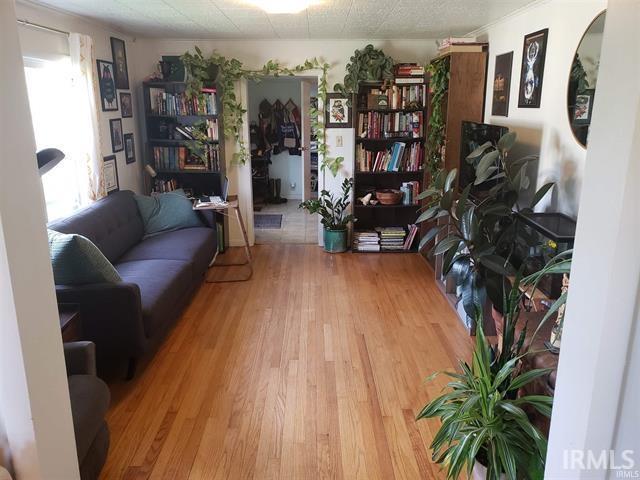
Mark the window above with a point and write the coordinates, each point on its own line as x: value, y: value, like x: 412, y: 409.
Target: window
x: 54, y: 115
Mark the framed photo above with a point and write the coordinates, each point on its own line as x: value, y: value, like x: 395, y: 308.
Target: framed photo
x: 108, y: 99
x: 129, y: 148
x: 110, y: 170
x: 532, y: 70
x: 120, y: 63
x: 126, y: 107
x: 117, y: 142
x: 584, y: 107
x: 501, y: 85
x: 337, y: 111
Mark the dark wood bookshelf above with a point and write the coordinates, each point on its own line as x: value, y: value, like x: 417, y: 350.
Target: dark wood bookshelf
x: 371, y: 216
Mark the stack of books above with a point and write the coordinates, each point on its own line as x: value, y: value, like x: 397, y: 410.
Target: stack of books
x: 409, y: 73
x: 366, y: 241
x: 459, y: 45
x: 392, y: 238
x: 409, y: 159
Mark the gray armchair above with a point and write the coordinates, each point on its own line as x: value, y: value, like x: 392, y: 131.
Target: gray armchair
x: 90, y: 399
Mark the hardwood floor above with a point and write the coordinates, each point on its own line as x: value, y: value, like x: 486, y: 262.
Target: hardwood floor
x: 313, y: 369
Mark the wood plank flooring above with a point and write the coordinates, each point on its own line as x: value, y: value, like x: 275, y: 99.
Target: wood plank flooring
x: 314, y: 369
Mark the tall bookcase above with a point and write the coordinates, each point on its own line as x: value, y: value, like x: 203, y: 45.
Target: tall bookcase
x: 372, y: 177
x: 163, y: 136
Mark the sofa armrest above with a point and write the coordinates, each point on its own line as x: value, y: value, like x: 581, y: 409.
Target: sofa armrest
x: 110, y: 316
x: 80, y: 358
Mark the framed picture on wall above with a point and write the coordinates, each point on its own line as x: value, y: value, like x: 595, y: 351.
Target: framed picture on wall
x: 534, y: 51
x: 126, y: 107
x: 110, y: 171
x: 584, y: 107
x: 501, y: 85
x: 117, y: 142
x: 337, y: 111
x: 129, y: 148
x: 120, y: 63
x: 108, y: 98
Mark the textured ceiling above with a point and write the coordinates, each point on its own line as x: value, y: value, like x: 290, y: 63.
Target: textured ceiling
x: 337, y: 19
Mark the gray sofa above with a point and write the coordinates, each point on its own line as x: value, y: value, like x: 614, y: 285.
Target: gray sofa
x: 159, y: 276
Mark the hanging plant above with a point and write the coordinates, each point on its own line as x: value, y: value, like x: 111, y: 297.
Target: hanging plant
x: 226, y: 72
x: 438, y: 85
x: 369, y: 64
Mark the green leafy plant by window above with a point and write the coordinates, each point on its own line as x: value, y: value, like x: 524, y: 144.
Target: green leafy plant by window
x: 226, y: 72
x: 368, y: 64
x: 438, y: 86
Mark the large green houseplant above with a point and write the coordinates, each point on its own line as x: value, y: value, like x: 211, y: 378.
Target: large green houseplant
x: 334, y: 216
x: 368, y: 64
x: 480, y: 239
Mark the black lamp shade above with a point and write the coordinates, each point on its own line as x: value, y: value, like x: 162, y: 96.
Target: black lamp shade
x: 48, y: 158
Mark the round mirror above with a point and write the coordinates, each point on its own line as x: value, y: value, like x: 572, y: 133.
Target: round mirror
x: 583, y: 79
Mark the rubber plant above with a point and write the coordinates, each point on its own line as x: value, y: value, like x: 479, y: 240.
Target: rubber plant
x: 368, y: 64
x: 438, y: 86
x: 228, y: 71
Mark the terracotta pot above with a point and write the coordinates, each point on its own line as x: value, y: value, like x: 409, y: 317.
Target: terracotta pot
x: 480, y: 472
x: 389, y: 196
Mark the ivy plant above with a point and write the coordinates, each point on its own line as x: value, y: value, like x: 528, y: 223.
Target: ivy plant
x: 368, y: 64
x: 227, y: 71
x: 438, y: 85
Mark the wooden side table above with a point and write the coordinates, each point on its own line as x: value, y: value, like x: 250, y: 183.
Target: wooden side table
x: 232, y: 205
x: 70, y: 326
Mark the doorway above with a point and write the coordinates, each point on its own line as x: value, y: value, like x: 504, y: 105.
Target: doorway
x: 284, y: 158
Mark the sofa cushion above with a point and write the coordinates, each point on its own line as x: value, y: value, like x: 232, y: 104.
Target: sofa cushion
x: 166, y: 212
x: 196, y: 245
x: 90, y: 399
x: 163, y: 285
x: 112, y: 223
x: 77, y: 261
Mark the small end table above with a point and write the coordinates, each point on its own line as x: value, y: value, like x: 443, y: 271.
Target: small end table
x: 231, y: 204
x: 69, y: 315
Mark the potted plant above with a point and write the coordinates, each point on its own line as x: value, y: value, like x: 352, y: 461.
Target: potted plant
x: 368, y: 64
x: 334, y: 216
x: 480, y: 239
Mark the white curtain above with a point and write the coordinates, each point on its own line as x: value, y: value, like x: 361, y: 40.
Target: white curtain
x: 86, y: 101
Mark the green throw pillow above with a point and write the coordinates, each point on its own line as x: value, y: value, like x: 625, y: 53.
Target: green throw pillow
x: 77, y: 261
x: 166, y: 212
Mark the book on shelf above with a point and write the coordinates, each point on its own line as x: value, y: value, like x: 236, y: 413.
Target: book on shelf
x: 378, y: 125
x: 188, y: 132
x: 366, y: 241
x: 410, y: 159
x: 180, y: 158
x: 163, y: 186
x: 408, y: 69
x: 162, y: 102
x: 475, y: 48
x: 410, y: 191
x: 405, y: 80
x: 400, y: 97
x: 385, y: 239
x: 447, y: 42
x: 411, y: 235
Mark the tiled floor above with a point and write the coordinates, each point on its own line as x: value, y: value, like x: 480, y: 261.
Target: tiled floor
x: 298, y: 226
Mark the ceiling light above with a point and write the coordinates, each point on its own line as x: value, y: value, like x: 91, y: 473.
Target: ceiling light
x: 284, y: 6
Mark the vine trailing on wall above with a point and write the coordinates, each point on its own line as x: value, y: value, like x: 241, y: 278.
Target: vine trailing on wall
x: 438, y: 85
x: 227, y: 71
x: 368, y: 64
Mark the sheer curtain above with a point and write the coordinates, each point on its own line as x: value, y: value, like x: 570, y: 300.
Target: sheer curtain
x: 86, y: 105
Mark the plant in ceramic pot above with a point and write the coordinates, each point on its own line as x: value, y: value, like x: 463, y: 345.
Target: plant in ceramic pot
x: 478, y: 242
x: 334, y: 216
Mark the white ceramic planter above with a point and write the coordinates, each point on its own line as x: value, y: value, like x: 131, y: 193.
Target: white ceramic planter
x: 4, y: 475
x: 480, y: 472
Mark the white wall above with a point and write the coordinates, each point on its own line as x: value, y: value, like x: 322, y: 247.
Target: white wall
x: 43, y: 44
x: 546, y: 130
x: 34, y: 395
x: 286, y: 167
x: 597, y: 390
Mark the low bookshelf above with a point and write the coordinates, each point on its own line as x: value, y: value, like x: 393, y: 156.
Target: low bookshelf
x: 390, y: 122
x: 172, y: 122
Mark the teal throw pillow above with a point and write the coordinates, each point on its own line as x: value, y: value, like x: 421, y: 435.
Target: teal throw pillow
x: 166, y: 212
x: 77, y: 261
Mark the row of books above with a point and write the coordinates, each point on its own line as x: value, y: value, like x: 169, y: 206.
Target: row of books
x: 163, y: 186
x: 409, y: 70
x: 398, y: 158
x: 383, y: 239
x: 189, y: 132
x: 162, y: 102
x: 401, y: 97
x: 180, y: 158
x: 390, y: 125
x: 410, y: 191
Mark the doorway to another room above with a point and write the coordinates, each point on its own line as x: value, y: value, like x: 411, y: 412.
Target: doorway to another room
x: 284, y: 159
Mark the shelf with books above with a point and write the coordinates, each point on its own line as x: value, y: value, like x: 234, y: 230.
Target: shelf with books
x: 179, y: 141
x: 389, y: 119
